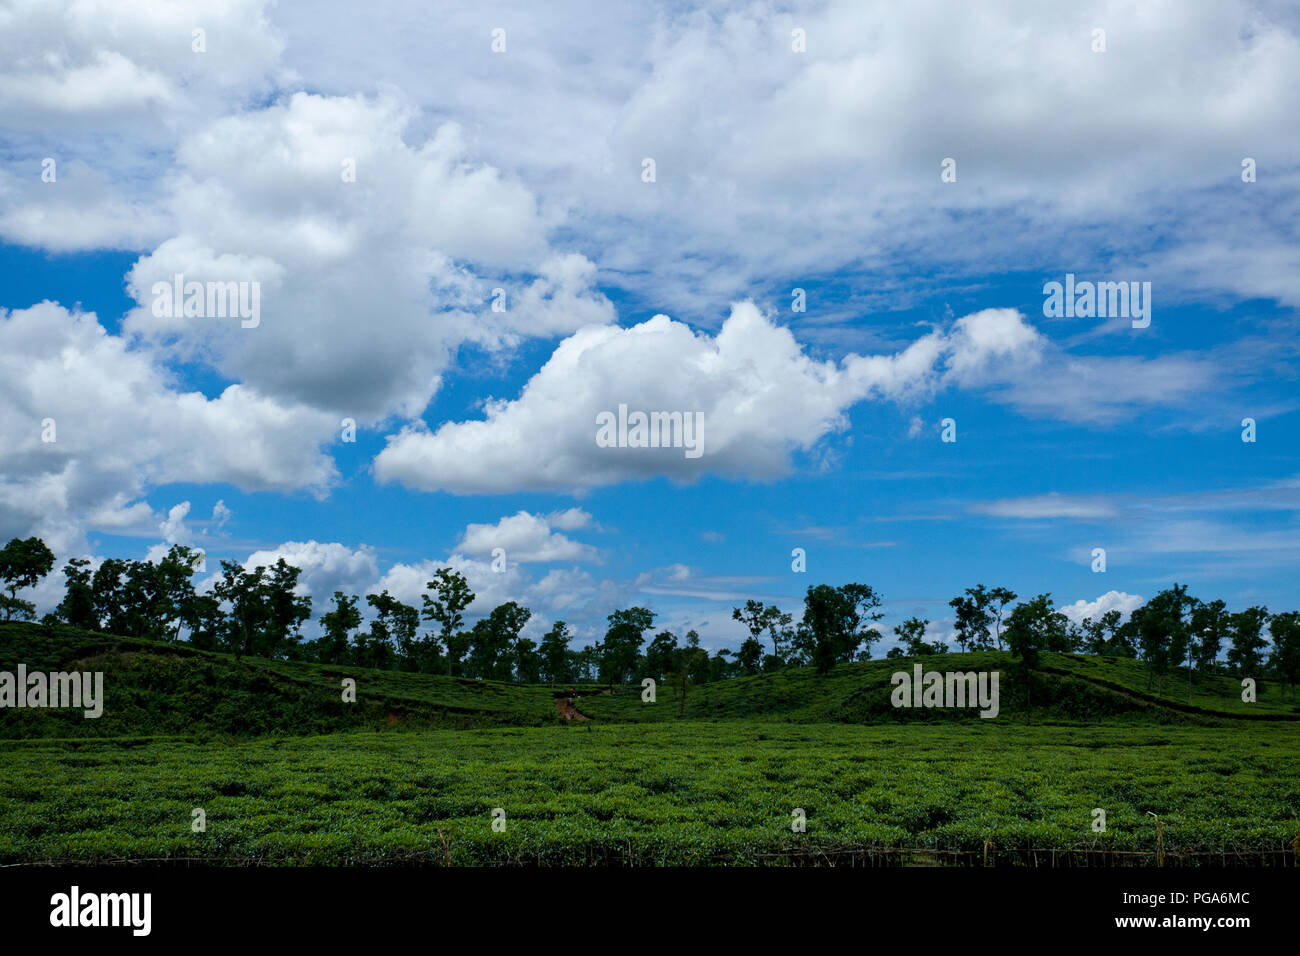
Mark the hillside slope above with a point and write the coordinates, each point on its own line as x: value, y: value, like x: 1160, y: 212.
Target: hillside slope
x: 1067, y: 688
x: 161, y: 689
x: 154, y: 689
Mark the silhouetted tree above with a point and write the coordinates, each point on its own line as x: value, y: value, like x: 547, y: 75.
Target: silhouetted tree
x: 837, y: 621
x: 1285, y: 660
x: 23, y: 563
x: 1162, y: 631
x: 1248, y: 643
x: 623, y: 640
x: 452, y: 595
x: 492, y: 642
x: 338, y: 624
x: 1032, y: 628
x: 912, y: 633
x: 77, y: 608
x: 557, y: 662
x: 972, y: 617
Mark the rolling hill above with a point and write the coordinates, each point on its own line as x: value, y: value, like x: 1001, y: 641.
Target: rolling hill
x: 154, y: 689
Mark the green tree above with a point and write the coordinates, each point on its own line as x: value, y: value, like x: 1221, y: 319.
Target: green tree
x: 338, y: 623
x: 999, y: 598
x: 1099, y: 636
x: 719, y: 667
x: 173, y: 583
x: 452, y: 595
x: 659, y: 654
x: 749, y: 659
x: 1248, y: 643
x: 1111, y: 626
x: 108, y: 594
x: 266, y: 611
x: 758, y: 618
x: 972, y: 617
x: 23, y: 563
x: 240, y: 590
x: 912, y: 633
x: 1285, y: 629
x: 492, y: 642
x: 528, y: 662
x: 78, y: 605
x: 557, y: 663
x: 1092, y: 636
x: 586, y: 662
x: 1211, y: 624
x: 286, y: 609
x: 1124, y: 641
x: 393, y: 630
x: 1033, y: 627
x: 205, y: 621
x: 1162, y: 631
x: 690, y: 666
x: 623, y: 640
x: 144, y: 607
x: 837, y: 621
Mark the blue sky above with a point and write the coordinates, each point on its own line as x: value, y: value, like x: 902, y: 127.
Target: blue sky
x: 776, y: 170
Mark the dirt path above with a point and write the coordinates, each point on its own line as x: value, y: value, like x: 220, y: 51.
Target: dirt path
x: 565, y: 706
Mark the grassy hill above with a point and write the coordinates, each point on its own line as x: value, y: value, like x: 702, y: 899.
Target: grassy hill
x: 1067, y: 688
x: 154, y: 689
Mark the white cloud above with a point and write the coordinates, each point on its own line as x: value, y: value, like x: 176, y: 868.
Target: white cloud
x: 526, y: 538
x: 570, y: 519
x: 747, y: 133
x: 762, y: 398
x: 1120, y: 601
x: 82, y: 209
x: 326, y: 567
x: 97, y: 59
x: 1051, y: 505
x: 121, y: 426
x: 174, y: 529
x: 106, y: 88
x: 365, y: 287
x: 562, y: 592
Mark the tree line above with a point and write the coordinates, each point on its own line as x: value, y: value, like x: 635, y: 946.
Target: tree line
x: 257, y: 612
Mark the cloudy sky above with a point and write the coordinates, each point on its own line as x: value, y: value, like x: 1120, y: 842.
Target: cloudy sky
x: 822, y: 230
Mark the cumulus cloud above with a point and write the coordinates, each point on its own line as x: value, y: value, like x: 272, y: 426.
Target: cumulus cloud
x: 174, y: 530
x: 760, y: 396
x: 326, y: 567
x: 527, y: 538
x: 1120, y: 601
x: 746, y: 133
x: 570, y: 592
x: 97, y: 59
x: 105, y: 88
x: 119, y: 425
x: 80, y: 209
x: 366, y: 285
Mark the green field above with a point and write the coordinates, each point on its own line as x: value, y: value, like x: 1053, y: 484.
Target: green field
x: 287, y: 774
